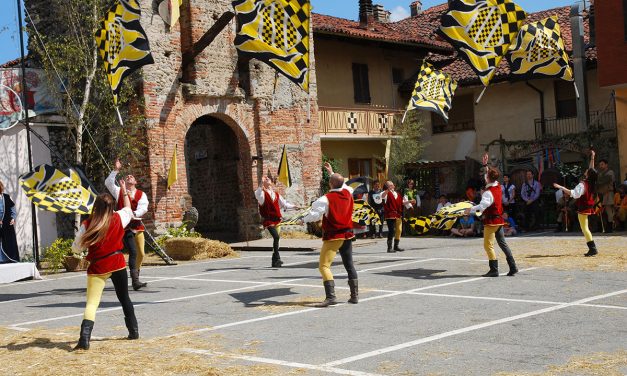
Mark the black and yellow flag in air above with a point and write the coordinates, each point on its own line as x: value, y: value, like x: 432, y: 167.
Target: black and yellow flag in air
x: 539, y: 52
x: 284, y: 175
x: 277, y: 33
x: 122, y: 43
x: 481, y: 31
x: 433, y: 92
x: 365, y: 214
x: 52, y: 190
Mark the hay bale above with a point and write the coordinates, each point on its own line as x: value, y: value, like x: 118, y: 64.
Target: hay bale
x: 197, y: 249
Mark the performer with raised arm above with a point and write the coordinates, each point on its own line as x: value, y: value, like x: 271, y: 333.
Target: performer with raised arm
x: 492, y: 207
x: 584, y: 193
x: 270, y: 205
x: 134, y: 234
x: 393, y: 203
x: 101, y: 234
x: 336, y: 211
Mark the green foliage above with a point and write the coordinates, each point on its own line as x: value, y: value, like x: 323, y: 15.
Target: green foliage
x: 177, y: 232
x: 335, y: 164
x: 407, y: 147
x: 55, y: 254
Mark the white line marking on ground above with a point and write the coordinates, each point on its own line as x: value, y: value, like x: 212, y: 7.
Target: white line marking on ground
x: 256, y: 359
x: 469, y: 329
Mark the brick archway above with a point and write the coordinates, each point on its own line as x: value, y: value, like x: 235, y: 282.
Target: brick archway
x: 214, y: 153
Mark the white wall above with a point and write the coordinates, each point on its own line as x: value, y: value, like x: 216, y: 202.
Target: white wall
x: 13, y: 163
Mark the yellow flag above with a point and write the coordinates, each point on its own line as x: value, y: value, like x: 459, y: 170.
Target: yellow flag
x: 173, y: 174
x: 175, y: 11
x: 284, y: 174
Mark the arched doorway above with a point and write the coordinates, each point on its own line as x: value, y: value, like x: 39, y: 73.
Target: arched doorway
x: 212, y: 154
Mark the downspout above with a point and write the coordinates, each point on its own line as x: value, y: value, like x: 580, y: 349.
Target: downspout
x: 542, y: 118
x: 579, y: 65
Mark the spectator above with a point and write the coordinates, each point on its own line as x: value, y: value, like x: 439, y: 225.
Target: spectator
x: 605, y: 188
x: 375, y: 200
x: 566, y: 212
x: 442, y: 202
x: 530, y: 193
x: 509, y: 194
x: 8, y: 239
x: 412, y: 208
x: 464, y: 227
x: 429, y: 203
x: 509, y: 228
x: 620, y: 202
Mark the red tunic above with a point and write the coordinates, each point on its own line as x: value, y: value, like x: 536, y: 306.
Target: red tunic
x: 585, y: 203
x: 493, y: 215
x: 270, y: 210
x: 393, y: 207
x: 112, y: 242
x: 338, y: 222
x: 134, y: 225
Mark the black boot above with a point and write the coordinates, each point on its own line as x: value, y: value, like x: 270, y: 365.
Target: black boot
x: 352, y: 283
x: 592, y: 249
x: 512, y: 266
x: 494, y: 269
x: 390, y: 249
x: 276, y: 260
x: 83, y: 342
x: 135, y: 280
x: 396, y: 248
x: 133, y: 329
x: 329, y: 290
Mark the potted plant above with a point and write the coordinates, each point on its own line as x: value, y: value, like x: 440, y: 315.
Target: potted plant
x: 59, y: 254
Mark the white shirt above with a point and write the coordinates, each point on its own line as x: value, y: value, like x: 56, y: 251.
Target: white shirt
x: 142, y: 204
x: 486, y: 199
x: 512, y: 194
x: 320, y: 207
x: 441, y: 205
x: 406, y: 202
x: 126, y: 215
x: 578, y: 191
x: 261, y: 198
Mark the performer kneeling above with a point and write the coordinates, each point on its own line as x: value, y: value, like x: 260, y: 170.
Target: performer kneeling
x: 336, y: 211
x: 134, y: 236
x: 270, y: 205
x: 492, y: 208
x: 101, y: 234
x: 584, y: 193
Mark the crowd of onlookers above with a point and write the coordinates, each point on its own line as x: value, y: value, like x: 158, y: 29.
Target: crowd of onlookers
x: 525, y: 207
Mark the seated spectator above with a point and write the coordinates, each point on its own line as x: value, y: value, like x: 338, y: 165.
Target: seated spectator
x: 566, y: 212
x: 442, y: 202
x: 465, y: 226
x: 510, y: 225
x: 620, y: 203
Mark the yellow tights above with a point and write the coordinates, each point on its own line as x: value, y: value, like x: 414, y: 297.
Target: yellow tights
x: 583, y: 223
x: 95, y: 286
x: 488, y: 240
x: 327, y: 254
x: 139, y: 242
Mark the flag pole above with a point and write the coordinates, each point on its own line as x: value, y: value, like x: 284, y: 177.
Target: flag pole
x: 404, y: 115
x: 117, y: 110
x: 276, y: 80
x: 576, y: 90
x: 481, y: 95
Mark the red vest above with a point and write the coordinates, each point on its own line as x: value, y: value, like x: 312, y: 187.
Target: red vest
x: 270, y: 210
x: 134, y: 225
x: 338, y: 223
x: 393, y: 207
x: 493, y: 215
x: 585, y: 203
x: 112, y: 242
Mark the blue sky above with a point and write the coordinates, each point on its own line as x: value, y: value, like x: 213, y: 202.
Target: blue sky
x: 9, y: 38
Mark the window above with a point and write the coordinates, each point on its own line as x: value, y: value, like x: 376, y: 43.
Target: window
x: 398, y: 75
x: 361, y: 84
x: 359, y: 167
x: 565, y: 99
x: 461, y: 117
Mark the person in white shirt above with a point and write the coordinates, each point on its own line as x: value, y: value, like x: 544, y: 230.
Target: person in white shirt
x: 270, y: 205
x: 134, y: 240
x: 509, y: 195
x: 442, y: 203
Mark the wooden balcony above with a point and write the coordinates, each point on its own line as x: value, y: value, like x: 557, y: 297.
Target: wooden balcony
x: 358, y: 122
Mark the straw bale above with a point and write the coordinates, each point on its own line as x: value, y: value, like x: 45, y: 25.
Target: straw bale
x: 197, y: 249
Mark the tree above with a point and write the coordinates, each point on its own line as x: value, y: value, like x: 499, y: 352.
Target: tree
x: 407, y: 146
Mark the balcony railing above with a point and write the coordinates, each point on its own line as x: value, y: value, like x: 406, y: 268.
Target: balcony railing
x: 556, y: 127
x: 366, y: 122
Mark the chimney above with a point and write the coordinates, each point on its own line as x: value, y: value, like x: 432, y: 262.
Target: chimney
x: 380, y: 14
x: 366, y: 14
x: 415, y: 8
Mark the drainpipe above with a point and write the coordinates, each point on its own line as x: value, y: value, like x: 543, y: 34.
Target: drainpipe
x: 579, y: 65
x: 542, y: 118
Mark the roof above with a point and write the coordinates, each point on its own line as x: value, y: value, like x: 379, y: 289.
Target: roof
x: 12, y: 63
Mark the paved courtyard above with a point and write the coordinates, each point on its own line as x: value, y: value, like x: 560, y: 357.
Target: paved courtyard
x: 425, y: 311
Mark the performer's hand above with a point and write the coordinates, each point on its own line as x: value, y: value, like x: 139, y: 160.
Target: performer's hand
x: 327, y: 166
x: 11, y: 223
x: 556, y: 186
x: 592, y: 154
x: 118, y: 165
x: 122, y: 185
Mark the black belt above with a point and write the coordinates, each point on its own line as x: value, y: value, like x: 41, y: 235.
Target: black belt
x: 104, y: 257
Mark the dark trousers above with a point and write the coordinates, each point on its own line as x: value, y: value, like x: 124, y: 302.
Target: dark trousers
x: 131, y: 246
x: 275, y: 243
x: 531, y: 215
x: 500, y: 240
x: 391, y: 228
x: 120, y: 282
x: 346, y: 252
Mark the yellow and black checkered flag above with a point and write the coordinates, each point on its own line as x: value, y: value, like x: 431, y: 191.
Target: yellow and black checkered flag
x: 481, y: 31
x: 539, y: 52
x: 296, y: 218
x: 277, y: 33
x: 122, y: 43
x: 365, y: 214
x: 433, y: 92
x: 52, y: 190
x: 421, y: 225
